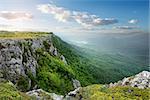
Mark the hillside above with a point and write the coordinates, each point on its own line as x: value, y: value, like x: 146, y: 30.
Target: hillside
x: 41, y: 63
x: 98, y: 67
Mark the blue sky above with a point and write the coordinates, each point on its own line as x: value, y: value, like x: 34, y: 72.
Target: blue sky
x: 75, y: 17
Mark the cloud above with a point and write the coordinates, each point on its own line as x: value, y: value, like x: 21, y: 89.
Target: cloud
x: 133, y: 21
x: 87, y: 19
x: 126, y: 27
x: 15, y: 15
x: 83, y: 18
x: 5, y: 25
x: 81, y: 42
x: 59, y: 13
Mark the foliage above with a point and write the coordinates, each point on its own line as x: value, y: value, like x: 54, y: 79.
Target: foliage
x: 101, y: 92
x: 97, y: 67
x: 9, y: 92
x: 32, y: 78
x: 78, y: 63
x: 52, y: 74
x: 22, y: 35
x: 46, y: 45
x: 23, y: 83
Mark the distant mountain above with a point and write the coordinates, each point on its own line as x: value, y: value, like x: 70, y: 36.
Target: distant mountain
x: 132, y: 45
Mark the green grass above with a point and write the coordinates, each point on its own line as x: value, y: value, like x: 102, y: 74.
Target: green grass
x: 100, y: 92
x: 9, y: 92
x: 21, y: 35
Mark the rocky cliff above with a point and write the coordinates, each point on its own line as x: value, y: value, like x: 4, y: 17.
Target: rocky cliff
x: 18, y: 58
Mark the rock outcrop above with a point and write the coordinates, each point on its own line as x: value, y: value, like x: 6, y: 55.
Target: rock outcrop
x: 18, y: 57
x: 40, y: 94
x: 63, y: 59
x: 76, y: 83
x: 141, y: 80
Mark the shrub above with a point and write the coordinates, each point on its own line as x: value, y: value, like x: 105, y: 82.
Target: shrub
x: 23, y: 83
x: 53, y: 75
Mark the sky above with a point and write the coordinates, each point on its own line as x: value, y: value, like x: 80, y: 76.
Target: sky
x: 75, y: 19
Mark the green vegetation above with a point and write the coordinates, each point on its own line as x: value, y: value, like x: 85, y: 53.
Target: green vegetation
x: 9, y: 92
x: 97, y: 67
x: 21, y: 35
x: 100, y: 92
x: 22, y: 83
x: 32, y: 78
x: 78, y: 63
x: 92, y: 92
x: 52, y: 74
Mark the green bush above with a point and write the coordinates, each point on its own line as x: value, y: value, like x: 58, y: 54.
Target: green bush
x: 52, y: 74
x: 32, y: 78
x: 46, y: 45
x: 23, y: 83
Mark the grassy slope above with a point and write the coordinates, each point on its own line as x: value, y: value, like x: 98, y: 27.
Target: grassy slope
x: 92, y: 92
x: 21, y: 35
x: 9, y: 92
x: 100, y: 92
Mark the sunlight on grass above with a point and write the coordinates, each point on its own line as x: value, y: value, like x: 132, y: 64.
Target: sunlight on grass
x: 22, y: 35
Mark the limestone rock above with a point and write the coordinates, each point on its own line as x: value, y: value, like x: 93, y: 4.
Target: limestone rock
x: 76, y: 83
x: 55, y: 53
x: 18, y: 56
x: 40, y: 94
x: 74, y: 95
x: 63, y: 59
x: 141, y: 80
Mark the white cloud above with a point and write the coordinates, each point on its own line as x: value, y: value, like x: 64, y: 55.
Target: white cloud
x: 15, y: 15
x: 83, y: 18
x: 59, y: 13
x: 87, y: 19
x: 133, y: 21
x: 126, y: 27
x: 5, y: 25
x: 81, y: 42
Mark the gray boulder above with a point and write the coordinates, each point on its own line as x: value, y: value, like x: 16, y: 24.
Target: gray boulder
x: 76, y: 83
x: 40, y: 94
x: 141, y: 80
x: 63, y: 59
